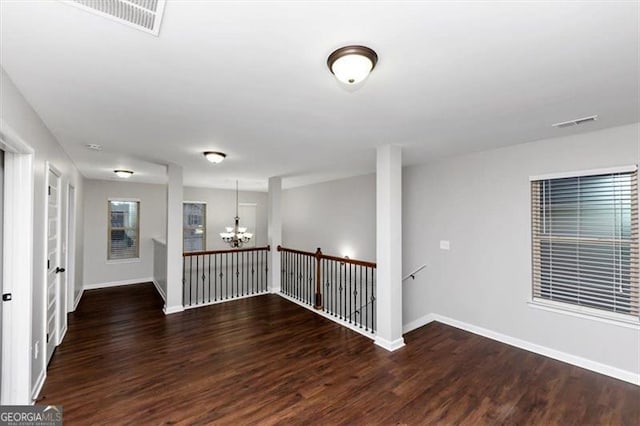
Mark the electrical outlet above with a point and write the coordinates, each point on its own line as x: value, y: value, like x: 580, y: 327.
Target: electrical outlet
x: 444, y: 245
x: 35, y: 350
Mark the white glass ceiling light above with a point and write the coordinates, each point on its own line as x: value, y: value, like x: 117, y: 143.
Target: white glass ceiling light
x: 215, y: 157
x: 352, y: 64
x: 124, y: 174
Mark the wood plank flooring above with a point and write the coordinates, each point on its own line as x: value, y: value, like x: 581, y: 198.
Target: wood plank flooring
x: 265, y: 360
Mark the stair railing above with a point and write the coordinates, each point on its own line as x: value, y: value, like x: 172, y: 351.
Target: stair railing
x: 341, y: 287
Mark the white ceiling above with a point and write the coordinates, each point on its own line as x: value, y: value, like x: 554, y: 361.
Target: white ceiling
x: 250, y: 79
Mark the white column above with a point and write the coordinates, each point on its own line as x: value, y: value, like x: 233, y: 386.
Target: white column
x: 389, y: 247
x: 173, y: 303
x: 274, y: 219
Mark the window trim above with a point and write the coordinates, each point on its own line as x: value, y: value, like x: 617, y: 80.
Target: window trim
x: 585, y: 312
x: 126, y: 259
x: 624, y: 320
x: 630, y: 168
x: 204, y: 234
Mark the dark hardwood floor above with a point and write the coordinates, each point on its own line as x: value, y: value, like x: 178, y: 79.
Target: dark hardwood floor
x: 265, y: 360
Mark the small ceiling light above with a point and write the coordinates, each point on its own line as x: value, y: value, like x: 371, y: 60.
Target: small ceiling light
x: 352, y: 64
x: 215, y: 157
x: 124, y: 174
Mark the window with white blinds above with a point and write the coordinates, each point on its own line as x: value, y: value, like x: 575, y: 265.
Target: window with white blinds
x: 124, y: 230
x: 585, y: 241
x: 194, y: 220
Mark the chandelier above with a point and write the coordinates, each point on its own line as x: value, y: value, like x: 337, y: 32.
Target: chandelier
x: 236, y: 235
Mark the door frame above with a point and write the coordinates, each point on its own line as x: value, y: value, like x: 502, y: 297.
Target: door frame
x: 71, y: 248
x: 56, y: 339
x: 17, y: 268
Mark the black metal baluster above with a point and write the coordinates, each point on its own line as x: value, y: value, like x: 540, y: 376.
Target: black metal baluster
x: 373, y: 300
x: 226, y: 275
x: 360, y: 310
x: 215, y: 277
x: 334, y: 284
x: 350, y: 292
x: 184, y: 279
x: 311, y: 275
x: 190, y: 279
x: 283, y: 272
x: 197, y: 275
x: 366, y: 298
x: 242, y: 267
x: 209, y: 277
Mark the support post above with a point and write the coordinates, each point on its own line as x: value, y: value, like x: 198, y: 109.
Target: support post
x: 274, y: 220
x: 173, y: 303
x: 318, y: 304
x: 389, y: 248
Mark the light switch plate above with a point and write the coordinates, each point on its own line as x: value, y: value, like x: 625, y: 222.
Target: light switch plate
x: 444, y: 245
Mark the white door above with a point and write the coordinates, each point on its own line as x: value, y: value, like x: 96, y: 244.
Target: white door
x: 247, y: 215
x: 54, y: 268
x: 1, y: 246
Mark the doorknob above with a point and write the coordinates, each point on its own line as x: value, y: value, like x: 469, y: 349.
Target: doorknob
x: 59, y: 269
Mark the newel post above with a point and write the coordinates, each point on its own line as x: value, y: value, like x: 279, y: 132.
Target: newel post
x: 318, y: 256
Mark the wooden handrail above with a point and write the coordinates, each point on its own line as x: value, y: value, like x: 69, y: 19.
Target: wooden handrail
x: 351, y: 261
x: 288, y: 250
x: 319, y: 254
x: 198, y: 253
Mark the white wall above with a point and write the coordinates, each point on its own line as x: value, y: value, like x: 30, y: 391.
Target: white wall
x: 98, y: 270
x: 221, y: 209
x: 25, y: 122
x: 337, y: 216
x: 480, y: 202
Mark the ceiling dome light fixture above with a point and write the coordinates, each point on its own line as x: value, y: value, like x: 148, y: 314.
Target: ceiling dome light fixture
x: 352, y: 64
x: 215, y: 157
x: 124, y: 174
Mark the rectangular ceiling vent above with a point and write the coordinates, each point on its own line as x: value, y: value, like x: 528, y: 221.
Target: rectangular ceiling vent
x: 144, y: 15
x: 575, y: 122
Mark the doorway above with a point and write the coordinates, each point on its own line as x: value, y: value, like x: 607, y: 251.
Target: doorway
x: 1, y: 255
x: 17, y: 268
x: 247, y: 214
x: 53, y: 266
x: 71, y: 251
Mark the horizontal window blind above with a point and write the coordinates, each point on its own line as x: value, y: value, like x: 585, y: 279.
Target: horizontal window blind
x: 585, y: 241
x: 124, y: 235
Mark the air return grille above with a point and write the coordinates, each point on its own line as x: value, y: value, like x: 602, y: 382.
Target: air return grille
x: 144, y: 15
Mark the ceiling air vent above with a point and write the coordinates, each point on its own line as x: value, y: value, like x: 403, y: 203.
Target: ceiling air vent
x: 144, y: 15
x: 575, y: 122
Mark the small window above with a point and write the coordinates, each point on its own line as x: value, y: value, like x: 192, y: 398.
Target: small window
x: 124, y: 230
x: 194, y: 226
x: 585, y: 242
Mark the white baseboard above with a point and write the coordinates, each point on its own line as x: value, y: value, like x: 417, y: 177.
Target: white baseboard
x: 77, y: 301
x: 330, y: 317
x: 38, y: 386
x: 172, y: 309
x: 217, y: 302
x: 415, y: 324
x: 117, y: 283
x: 607, y: 370
x: 63, y: 333
x: 389, y: 344
x: 160, y: 291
